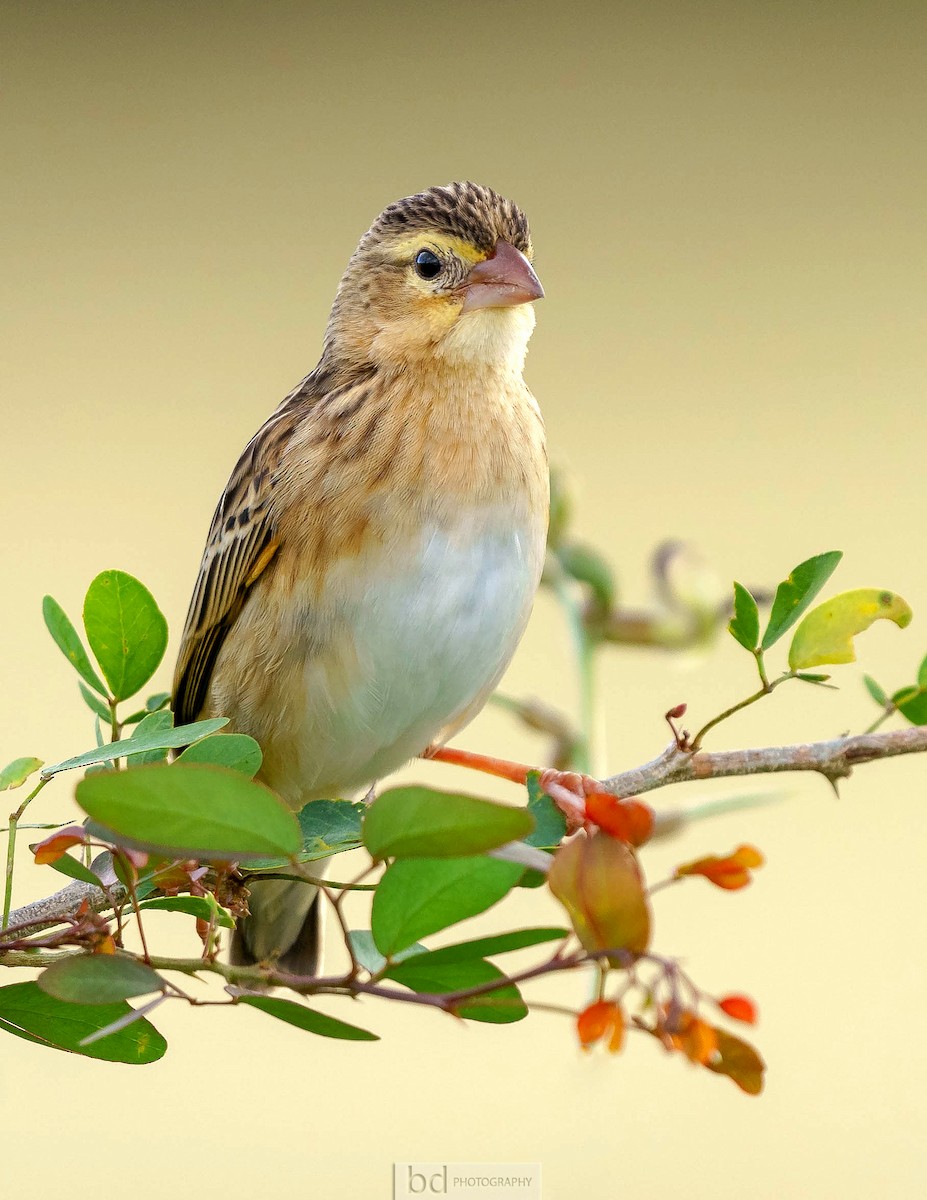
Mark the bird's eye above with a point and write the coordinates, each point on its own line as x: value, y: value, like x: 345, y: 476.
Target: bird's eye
x: 428, y: 265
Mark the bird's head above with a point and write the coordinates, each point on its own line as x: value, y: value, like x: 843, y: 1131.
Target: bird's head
x: 446, y: 273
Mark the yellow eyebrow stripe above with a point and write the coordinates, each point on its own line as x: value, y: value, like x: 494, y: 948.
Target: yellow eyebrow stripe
x: 408, y: 247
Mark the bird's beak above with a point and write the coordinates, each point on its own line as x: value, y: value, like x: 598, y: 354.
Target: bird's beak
x: 501, y: 281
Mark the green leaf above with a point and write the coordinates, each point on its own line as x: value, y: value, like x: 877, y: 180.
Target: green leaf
x: 236, y: 751
x: 151, y: 724
x: 808, y: 677
x: 159, y: 740
x: 912, y: 704
x: 586, y: 565
x: 190, y: 809
x: 826, y: 634
x: 422, y: 974
x: 194, y: 906
x: 549, y: 822
x: 501, y: 943
x: 876, y: 691
x: 744, y: 626
x: 66, y: 865
x: 922, y: 674
x: 419, y: 896
x: 16, y: 773
x: 126, y: 630
x: 67, y: 639
x: 794, y: 594
x: 157, y: 701
x: 98, y: 979
x: 370, y: 957
x: 417, y: 822
x: 27, y: 1012
x: 308, y: 1019
x: 94, y: 703
x: 328, y: 827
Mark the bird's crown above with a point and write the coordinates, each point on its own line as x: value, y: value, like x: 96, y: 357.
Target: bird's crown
x: 475, y: 214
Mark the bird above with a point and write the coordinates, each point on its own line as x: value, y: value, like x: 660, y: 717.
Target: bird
x: 373, y: 560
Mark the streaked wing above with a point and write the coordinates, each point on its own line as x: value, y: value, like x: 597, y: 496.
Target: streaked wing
x: 240, y: 545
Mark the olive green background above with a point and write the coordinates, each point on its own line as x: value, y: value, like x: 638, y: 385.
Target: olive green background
x: 727, y: 203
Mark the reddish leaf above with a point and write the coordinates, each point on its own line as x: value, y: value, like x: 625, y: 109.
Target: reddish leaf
x: 599, y: 1019
x: 730, y: 872
x: 739, y: 1008
x: 683, y: 1030
x: 616, y: 1041
x: 52, y: 848
x: 598, y: 881
x: 593, y: 1022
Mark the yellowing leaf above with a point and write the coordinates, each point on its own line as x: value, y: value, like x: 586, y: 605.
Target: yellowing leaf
x: 826, y: 634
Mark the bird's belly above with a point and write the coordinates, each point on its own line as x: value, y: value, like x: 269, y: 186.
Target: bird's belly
x: 425, y: 633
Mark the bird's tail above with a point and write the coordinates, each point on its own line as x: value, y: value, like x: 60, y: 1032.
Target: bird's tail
x: 284, y: 925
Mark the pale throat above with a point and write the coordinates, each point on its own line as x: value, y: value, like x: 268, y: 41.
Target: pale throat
x: 494, y: 338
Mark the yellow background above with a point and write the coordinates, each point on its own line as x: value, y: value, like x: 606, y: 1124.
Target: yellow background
x: 727, y: 202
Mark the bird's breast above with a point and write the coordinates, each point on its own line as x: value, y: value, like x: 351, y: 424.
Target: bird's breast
x: 402, y: 647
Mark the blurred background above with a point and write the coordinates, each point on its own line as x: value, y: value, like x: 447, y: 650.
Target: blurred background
x: 727, y: 203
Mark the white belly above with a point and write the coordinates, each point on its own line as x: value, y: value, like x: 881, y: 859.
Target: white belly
x: 430, y: 634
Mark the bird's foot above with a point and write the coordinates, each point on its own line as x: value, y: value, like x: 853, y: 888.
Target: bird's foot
x: 567, y: 789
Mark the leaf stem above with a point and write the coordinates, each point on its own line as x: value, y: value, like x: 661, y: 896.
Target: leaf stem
x: 765, y: 690
x: 583, y: 649
x: 11, y: 851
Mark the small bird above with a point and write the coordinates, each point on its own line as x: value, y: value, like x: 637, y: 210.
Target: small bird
x: 373, y: 560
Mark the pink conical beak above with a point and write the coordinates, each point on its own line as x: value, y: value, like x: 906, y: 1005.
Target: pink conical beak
x: 505, y: 279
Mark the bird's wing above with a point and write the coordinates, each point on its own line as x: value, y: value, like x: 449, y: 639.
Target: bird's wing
x: 240, y: 546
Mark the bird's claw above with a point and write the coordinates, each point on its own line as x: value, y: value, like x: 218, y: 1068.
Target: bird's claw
x: 568, y: 790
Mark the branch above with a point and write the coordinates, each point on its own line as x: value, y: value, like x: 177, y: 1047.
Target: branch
x: 54, y: 909
x: 834, y: 760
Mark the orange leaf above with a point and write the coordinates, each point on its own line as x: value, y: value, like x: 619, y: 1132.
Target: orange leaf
x: 730, y: 872
x: 106, y: 946
x: 696, y: 1039
x: 52, y: 848
x: 616, y: 1041
x: 739, y: 1008
x: 593, y: 1022
x: 628, y: 820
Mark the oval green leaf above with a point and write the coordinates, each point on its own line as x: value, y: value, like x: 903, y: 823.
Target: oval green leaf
x: 417, y: 822
x: 16, y: 773
x: 126, y: 630
x: 308, y: 1019
x: 194, y: 906
x: 911, y: 702
x: 191, y: 809
x: 27, y: 1012
x: 152, y: 723
x: 424, y: 975
x: 157, y: 739
x: 94, y: 703
x: 67, y: 639
x: 794, y: 594
x: 419, y: 896
x: 98, y: 979
x: 327, y: 826
x: 744, y: 626
x: 66, y: 865
x: 502, y: 943
x: 237, y: 751
x: 826, y: 634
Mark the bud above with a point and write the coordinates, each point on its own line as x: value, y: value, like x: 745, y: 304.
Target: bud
x: 598, y: 882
